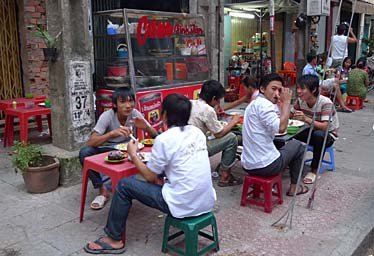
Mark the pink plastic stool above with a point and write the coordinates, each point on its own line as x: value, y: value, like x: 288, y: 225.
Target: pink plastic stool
x: 262, y: 185
x: 354, y: 102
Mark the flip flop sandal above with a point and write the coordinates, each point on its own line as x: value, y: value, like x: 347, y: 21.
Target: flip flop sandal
x: 106, y: 248
x: 302, y: 190
x: 344, y: 110
x: 233, y: 181
x: 99, y: 202
x: 310, y: 178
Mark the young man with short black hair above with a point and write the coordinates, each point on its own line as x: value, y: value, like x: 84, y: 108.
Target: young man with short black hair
x: 339, y: 45
x: 181, y: 154
x: 113, y: 127
x: 309, y: 101
x: 260, y: 157
x: 205, y: 118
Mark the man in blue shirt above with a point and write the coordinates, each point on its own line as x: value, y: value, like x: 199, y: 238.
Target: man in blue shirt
x: 329, y: 85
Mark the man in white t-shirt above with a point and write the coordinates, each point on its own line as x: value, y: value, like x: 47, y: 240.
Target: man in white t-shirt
x: 114, y: 126
x: 339, y: 47
x: 181, y: 154
x: 204, y: 117
x: 260, y: 157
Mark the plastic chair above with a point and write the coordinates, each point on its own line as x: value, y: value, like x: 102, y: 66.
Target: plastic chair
x: 354, y: 102
x: 289, y: 66
x: 262, y: 185
x: 326, y: 164
x: 289, y: 73
x: 191, y: 228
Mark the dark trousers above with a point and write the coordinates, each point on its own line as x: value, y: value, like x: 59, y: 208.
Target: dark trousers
x: 95, y: 177
x: 316, y: 141
x: 127, y: 190
x: 291, y: 154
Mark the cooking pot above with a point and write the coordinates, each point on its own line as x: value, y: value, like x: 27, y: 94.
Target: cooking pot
x: 122, y: 51
x: 117, y: 70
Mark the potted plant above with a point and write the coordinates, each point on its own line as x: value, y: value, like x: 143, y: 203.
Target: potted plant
x: 50, y: 53
x: 40, y: 172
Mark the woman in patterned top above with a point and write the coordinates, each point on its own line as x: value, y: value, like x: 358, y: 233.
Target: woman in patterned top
x: 343, y: 72
x: 358, y: 80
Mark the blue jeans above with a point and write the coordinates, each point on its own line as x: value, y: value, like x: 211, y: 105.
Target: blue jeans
x: 228, y: 144
x: 127, y: 190
x: 95, y: 177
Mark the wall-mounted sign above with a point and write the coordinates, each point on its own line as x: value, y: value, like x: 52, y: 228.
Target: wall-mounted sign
x: 318, y: 7
x: 80, y: 99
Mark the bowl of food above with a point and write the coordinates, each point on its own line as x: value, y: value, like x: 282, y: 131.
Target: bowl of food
x: 148, y: 142
x: 292, y: 129
x: 116, y: 157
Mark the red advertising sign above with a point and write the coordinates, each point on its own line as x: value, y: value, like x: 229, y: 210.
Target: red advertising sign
x: 163, y: 29
x: 149, y: 104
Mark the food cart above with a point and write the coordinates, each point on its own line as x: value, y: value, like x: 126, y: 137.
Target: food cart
x: 156, y: 53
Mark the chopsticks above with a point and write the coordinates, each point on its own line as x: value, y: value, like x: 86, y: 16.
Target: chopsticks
x: 132, y: 137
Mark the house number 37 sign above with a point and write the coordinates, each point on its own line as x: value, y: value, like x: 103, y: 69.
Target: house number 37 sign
x: 80, y: 93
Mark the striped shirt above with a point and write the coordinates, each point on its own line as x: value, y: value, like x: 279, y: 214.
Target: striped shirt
x: 323, y: 110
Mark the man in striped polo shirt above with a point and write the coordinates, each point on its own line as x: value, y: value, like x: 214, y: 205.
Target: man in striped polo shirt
x: 308, y: 102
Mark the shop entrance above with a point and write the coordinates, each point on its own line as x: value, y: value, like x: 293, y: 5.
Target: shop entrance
x: 10, y: 67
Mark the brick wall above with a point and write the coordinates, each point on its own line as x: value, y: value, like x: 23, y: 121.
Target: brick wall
x: 36, y: 67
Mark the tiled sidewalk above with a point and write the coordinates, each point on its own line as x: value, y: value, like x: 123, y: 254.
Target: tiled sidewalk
x: 48, y: 224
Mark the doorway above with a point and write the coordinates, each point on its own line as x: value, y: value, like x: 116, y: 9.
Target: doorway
x: 10, y: 65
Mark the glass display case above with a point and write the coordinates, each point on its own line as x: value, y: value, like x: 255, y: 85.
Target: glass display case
x: 156, y: 53
x: 149, y: 50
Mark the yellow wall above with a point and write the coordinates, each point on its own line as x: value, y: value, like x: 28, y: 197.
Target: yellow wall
x: 244, y: 29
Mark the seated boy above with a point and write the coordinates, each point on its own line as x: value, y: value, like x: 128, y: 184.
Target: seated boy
x: 188, y: 190
x: 307, y: 103
x: 204, y: 117
x: 260, y: 157
x: 114, y: 126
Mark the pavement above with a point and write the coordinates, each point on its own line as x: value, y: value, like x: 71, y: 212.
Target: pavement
x: 340, y: 223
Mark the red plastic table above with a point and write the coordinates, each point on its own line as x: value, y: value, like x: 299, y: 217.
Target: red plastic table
x: 23, y: 114
x: 4, y: 104
x: 115, y: 171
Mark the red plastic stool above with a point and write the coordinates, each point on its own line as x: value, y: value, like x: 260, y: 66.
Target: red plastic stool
x: 262, y: 185
x: 354, y: 102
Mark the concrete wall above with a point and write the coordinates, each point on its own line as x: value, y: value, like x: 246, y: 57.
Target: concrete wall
x: 70, y: 74
x: 213, y: 13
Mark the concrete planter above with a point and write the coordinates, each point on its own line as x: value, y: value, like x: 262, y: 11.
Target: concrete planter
x: 44, y: 178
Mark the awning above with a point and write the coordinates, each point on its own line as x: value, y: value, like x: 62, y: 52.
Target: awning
x: 366, y: 7
x: 289, y: 6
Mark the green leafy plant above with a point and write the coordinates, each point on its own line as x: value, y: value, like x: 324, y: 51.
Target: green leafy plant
x: 26, y: 155
x: 370, y: 44
x: 49, y: 40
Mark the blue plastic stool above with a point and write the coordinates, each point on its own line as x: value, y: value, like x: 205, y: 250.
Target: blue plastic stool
x: 326, y: 164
